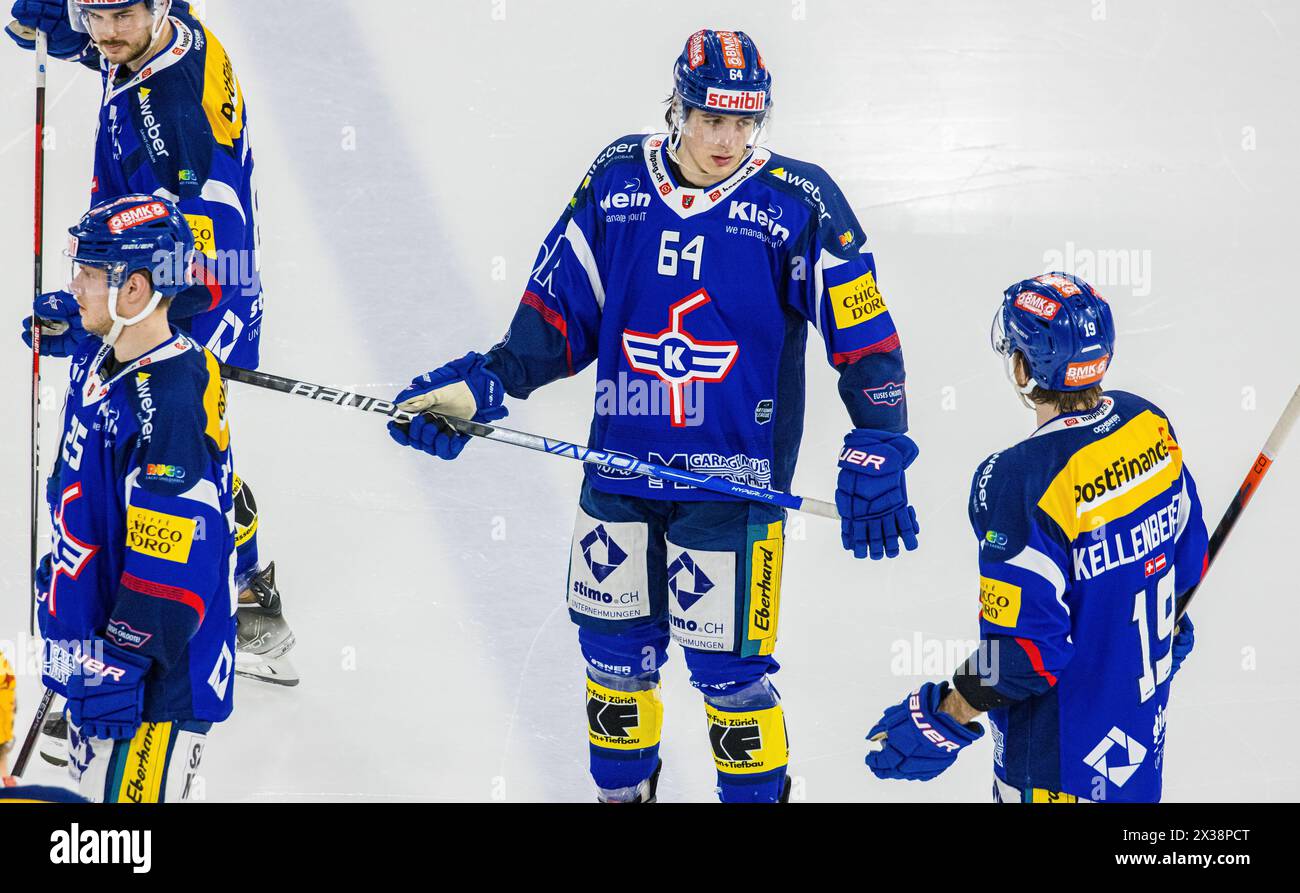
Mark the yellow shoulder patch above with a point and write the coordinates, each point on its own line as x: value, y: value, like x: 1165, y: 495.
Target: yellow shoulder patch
x: 999, y: 602
x: 1113, y: 476
x: 159, y: 535
x: 223, y: 100
x: 857, y: 301
x: 214, y: 405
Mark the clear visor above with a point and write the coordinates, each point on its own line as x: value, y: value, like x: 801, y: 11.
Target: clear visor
x: 733, y: 132
x: 88, y: 18
x: 76, y: 266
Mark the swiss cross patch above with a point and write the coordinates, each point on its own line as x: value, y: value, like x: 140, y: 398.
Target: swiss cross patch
x: 676, y: 358
x: 1155, y: 565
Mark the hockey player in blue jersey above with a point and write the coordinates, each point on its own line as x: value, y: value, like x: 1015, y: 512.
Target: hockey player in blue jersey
x: 173, y: 123
x: 1089, y: 530
x: 137, y: 596
x: 688, y: 266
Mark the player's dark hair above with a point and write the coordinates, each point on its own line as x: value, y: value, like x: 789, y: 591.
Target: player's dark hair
x: 668, y: 112
x: 1064, y: 401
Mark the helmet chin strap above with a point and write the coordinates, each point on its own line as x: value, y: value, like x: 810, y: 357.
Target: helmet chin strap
x: 679, y: 124
x: 119, y: 323
x: 160, y: 12
x: 1009, y: 362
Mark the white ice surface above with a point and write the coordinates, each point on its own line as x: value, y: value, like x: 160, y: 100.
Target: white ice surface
x: 972, y: 139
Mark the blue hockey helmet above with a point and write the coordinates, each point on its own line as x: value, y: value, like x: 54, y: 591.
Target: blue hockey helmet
x: 131, y: 234
x: 1061, y: 326
x: 722, y: 72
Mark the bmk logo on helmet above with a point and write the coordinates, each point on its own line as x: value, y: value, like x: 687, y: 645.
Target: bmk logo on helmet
x: 1086, y: 373
x: 1039, y: 305
x: 136, y: 216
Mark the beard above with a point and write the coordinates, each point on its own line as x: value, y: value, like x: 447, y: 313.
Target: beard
x: 124, y: 51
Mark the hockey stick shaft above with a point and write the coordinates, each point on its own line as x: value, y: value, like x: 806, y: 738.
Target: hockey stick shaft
x: 29, y: 743
x: 38, y: 226
x: 619, y: 462
x: 1247, y: 490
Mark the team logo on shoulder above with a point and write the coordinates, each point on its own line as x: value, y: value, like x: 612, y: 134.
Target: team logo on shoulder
x: 676, y: 358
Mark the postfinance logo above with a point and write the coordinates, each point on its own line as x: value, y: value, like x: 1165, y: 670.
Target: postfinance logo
x: 1114, y: 476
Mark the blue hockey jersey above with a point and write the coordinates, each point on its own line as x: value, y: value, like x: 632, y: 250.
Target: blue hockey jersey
x: 695, y: 304
x: 143, y: 542
x: 178, y: 128
x: 1089, y: 530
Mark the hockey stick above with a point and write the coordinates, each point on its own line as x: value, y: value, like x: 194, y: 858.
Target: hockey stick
x: 616, y: 461
x: 1247, y: 489
x: 38, y: 220
x: 29, y: 743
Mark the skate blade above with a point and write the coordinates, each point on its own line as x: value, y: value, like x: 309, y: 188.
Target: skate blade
x: 276, y: 672
x: 54, y: 761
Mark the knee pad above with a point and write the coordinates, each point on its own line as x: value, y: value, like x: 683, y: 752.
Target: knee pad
x: 748, y: 738
x: 625, y: 719
x: 245, y: 529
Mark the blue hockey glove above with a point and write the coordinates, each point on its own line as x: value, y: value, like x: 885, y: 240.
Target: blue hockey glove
x: 106, y: 693
x: 50, y: 16
x: 919, y: 741
x: 1184, y: 639
x: 61, y: 328
x: 463, y: 389
x: 872, y: 493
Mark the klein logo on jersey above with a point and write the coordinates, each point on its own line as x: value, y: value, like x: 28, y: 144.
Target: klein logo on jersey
x: 733, y: 52
x: 888, y: 394
x: 676, y: 358
x: 735, y: 100
x: 136, y: 216
x: 1155, y: 565
x: 1039, y: 305
x: 1062, y: 286
x: 1086, y: 373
